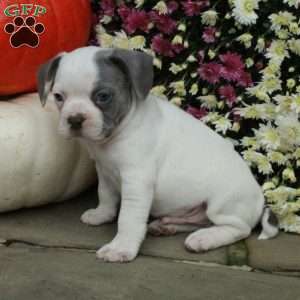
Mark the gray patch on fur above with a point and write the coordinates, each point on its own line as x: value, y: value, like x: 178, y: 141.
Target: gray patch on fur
x: 129, y: 76
x: 272, y: 219
x: 137, y: 67
x: 46, y: 74
x: 112, y: 79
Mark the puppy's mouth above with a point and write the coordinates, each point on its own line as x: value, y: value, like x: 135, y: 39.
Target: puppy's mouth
x: 86, y: 133
x: 86, y: 130
x: 75, y: 133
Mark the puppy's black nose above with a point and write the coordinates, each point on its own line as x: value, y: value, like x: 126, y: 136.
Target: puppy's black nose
x: 76, y: 121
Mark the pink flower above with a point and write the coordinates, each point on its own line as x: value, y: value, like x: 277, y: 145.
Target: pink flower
x: 134, y: 19
x: 233, y: 66
x: 245, y: 80
x: 163, y: 23
x: 200, y: 56
x: 124, y: 12
x: 209, y: 34
x: 108, y: 7
x: 172, y: 6
x: 193, y: 8
x: 236, y: 115
x: 227, y: 92
x: 162, y: 46
x: 177, y: 48
x: 210, y: 72
x: 198, y: 113
x: 259, y: 65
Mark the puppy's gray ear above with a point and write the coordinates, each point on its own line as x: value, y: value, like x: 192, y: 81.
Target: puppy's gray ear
x: 46, y: 76
x: 137, y: 67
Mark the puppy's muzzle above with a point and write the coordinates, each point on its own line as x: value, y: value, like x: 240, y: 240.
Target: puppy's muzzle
x: 76, y: 121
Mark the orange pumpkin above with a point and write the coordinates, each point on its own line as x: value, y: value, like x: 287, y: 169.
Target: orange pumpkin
x: 32, y: 31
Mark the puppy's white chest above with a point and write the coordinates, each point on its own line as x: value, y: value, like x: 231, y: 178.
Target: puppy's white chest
x: 105, y: 165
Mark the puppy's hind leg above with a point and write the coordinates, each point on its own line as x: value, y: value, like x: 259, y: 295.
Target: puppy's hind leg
x: 226, y: 231
x: 158, y: 228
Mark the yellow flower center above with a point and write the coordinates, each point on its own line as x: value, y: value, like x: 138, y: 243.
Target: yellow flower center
x: 279, y: 50
x: 249, y: 6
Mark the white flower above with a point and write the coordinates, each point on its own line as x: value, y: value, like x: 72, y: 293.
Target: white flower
x: 178, y: 87
x: 244, y: 11
x: 289, y: 130
x: 121, y: 40
x: 289, y: 174
x: 290, y: 83
x: 283, y: 103
x: 280, y: 194
x: 106, y: 19
x: 295, y: 3
x: 250, y: 142
x: 281, y: 19
x: 161, y: 7
x: 137, y: 42
x: 158, y: 91
x: 249, y: 62
x: 222, y: 124
x: 181, y: 27
x: 174, y: 68
x: 209, y: 101
x: 209, y: 17
x: 277, y: 51
x: 277, y: 157
x: 105, y: 40
x: 290, y: 223
x: 194, y: 89
x: 257, y: 159
x: 259, y: 91
x: 268, y: 137
x: 139, y: 3
x: 177, y: 39
x: 245, y: 39
x: 191, y: 58
x: 260, y: 46
x: 294, y: 46
x: 249, y: 112
x: 211, y: 54
x: 271, y: 84
x: 157, y: 63
x: 211, y: 117
x: 176, y: 100
x: 294, y: 28
x: 295, y: 104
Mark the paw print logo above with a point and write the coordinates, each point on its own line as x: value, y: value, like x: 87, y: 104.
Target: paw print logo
x: 24, y: 32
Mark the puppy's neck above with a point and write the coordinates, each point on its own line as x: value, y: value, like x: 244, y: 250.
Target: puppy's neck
x: 140, y: 115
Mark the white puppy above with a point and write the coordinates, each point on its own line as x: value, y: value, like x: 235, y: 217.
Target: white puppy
x: 151, y: 157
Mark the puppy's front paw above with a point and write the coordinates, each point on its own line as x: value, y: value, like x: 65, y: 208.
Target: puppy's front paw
x: 114, y: 253
x: 96, y: 217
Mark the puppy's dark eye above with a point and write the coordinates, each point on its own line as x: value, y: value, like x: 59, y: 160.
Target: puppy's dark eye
x: 58, y: 97
x: 103, y: 97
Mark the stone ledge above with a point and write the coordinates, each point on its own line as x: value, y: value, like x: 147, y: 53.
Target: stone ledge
x: 279, y: 254
x: 41, y: 273
x: 58, y: 225
x: 237, y: 254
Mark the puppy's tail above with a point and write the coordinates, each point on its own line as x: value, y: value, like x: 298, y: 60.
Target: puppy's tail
x: 269, y: 223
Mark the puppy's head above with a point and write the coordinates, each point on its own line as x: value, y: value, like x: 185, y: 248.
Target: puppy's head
x: 95, y: 89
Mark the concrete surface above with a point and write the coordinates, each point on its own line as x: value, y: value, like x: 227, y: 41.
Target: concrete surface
x: 46, y: 253
x: 59, y: 225
x: 41, y: 273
